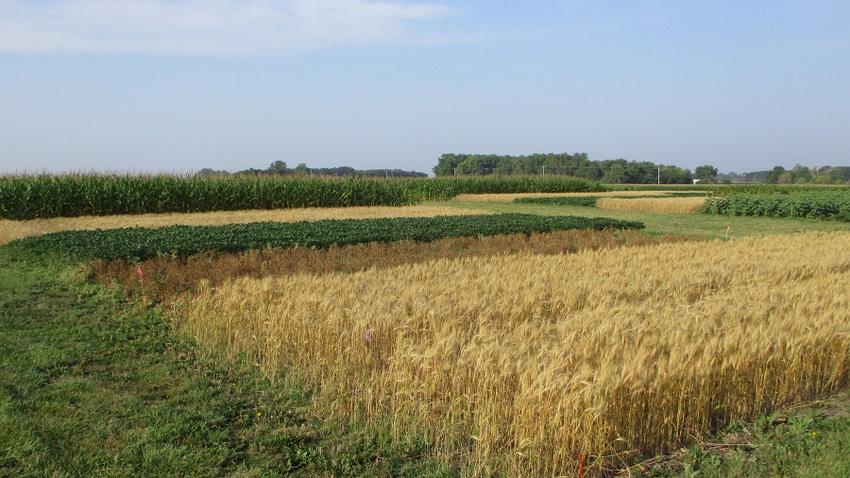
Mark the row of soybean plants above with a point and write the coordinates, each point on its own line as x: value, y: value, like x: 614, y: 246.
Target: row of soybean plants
x: 46, y: 196
x: 181, y: 241
x: 590, y: 201
x: 581, y: 201
x: 826, y: 204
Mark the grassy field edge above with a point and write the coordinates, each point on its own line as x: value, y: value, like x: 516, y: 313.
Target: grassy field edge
x: 95, y: 384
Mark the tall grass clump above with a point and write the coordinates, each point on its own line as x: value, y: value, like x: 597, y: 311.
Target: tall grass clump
x: 522, y: 365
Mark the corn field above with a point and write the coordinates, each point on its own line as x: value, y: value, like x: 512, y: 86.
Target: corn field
x: 72, y: 195
x: 46, y: 196
x: 520, y: 364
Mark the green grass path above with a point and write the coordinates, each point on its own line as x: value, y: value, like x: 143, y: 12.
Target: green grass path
x: 93, y: 385
x: 703, y: 226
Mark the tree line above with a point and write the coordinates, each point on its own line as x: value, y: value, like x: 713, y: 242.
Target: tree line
x: 611, y: 171
x: 620, y: 171
x: 796, y: 175
x: 576, y: 165
x: 279, y: 168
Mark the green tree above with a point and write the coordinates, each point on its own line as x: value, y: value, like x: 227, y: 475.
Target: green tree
x: 447, y: 163
x: 786, y: 178
x: 675, y: 175
x: 210, y: 173
x: 589, y: 170
x: 834, y: 175
x: 277, y: 167
x: 802, y: 174
x: 302, y: 169
x: 706, y: 173
x: 480, y: 165
x: 615, y: 174
x: 773, y: 175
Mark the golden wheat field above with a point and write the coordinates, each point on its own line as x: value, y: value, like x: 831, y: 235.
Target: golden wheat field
x: 520, y: 364
x: 11, y: 230
x: 675, y: 205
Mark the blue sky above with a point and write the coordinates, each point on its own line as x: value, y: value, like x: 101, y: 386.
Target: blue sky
x: 177, y: 86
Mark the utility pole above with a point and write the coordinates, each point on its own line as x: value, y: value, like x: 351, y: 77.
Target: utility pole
x: 659, y: 174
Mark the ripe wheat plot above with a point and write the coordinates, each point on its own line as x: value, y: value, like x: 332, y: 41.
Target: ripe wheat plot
x: 527, y: 361
x: 675, y: 205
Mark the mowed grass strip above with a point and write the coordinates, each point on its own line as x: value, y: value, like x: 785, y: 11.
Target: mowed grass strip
x: 94, y: 385
x: 526, y: 362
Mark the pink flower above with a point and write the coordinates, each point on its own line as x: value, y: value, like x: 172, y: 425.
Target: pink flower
x: 139, y: 271
x: 368, y: 336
